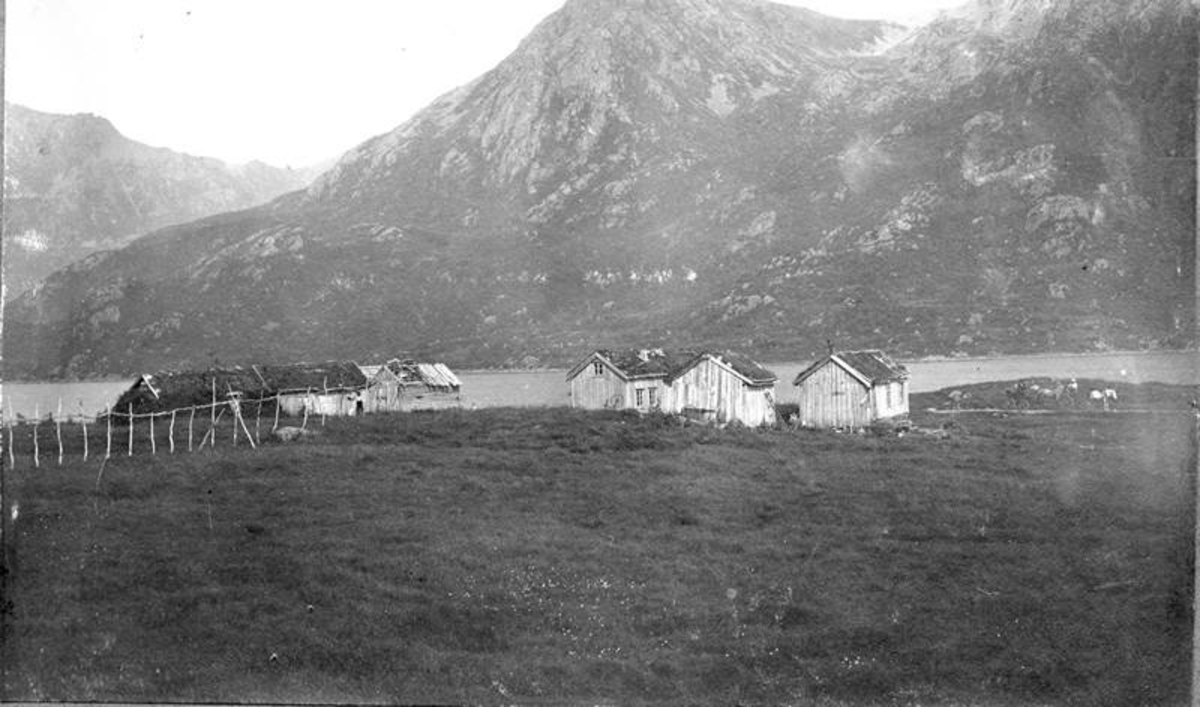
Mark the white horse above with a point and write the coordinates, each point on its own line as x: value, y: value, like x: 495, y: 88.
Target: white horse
x: 1103, y: 396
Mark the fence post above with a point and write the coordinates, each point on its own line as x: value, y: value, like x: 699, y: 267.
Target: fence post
x: 171, y: 432
x: 58, y: 431
x: 258, y: 420
x: 12, y: 457
x: 239, y: 420
x: 307, y: 400
x: 212, y: 414
x: 83, y: 422
x: 108, y: 435
x: 191, y: 419
x: 130, y: 454
x: 153, y: 444
x: 37, y: 417
x: 275, y: 425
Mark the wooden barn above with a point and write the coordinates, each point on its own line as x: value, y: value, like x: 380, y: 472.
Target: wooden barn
x: 406, y: 385
x: 177, y: 390
x: 852, y: 390
x: 633, y: 379
x: 715, y: 386
x: 722, y: 387
x: 332, y: 388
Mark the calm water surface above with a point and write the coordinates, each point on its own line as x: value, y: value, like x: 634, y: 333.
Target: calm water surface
x: 549, y: 387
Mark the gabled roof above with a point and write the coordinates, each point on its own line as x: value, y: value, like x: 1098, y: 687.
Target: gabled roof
x: 434, y: 375
x: 642, y: 364
x: 632, y: 364
x: 315, y: 377
x: 870, y: 366
x: 171, y: 389
x: 239, y: 380
x: 743, y: 366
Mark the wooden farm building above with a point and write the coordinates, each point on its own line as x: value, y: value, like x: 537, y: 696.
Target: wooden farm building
x: 723, y: 387
x: 405, y: 385
x: 634, y: 380
x: 852, y: 390
x: 716, y: 386
x: 176, y: 390
x: 332, y: 388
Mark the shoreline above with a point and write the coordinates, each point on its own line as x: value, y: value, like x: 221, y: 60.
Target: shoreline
x: 552, y: 369
x: 1084, y: 354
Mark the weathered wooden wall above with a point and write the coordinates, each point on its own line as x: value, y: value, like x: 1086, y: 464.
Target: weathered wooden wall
x: 831, y: 397
x: 422, y: 398
x: 707, y: 386
x: 337, y: 404
x: 890, y: 399
x: 389, y: 394
x: 713, y: 390
x: 598, y: 391
x: 382, y: 396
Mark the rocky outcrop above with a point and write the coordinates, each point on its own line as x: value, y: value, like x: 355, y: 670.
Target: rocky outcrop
x: 711, y: 173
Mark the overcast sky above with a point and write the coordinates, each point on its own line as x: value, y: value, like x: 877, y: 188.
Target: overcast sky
x: 288, y: 82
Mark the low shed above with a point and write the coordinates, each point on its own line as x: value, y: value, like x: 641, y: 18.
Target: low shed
x: 852, y: 389
x: 405, y: 385
x: 721, y: 386
x: 178, y: 390
x: 331, y: 388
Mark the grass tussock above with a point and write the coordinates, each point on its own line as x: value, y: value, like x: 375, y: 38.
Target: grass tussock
x: 560, y: 555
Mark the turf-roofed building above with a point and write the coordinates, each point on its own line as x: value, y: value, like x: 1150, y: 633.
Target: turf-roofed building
x: 179, y: 390
x: 852, y: 390
x: 331, y: 388
x: 715, y: 386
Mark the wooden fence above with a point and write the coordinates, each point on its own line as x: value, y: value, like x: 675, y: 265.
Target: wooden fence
x: 191, y: 428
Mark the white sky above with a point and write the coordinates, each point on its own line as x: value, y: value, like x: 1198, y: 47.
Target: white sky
x: 288, y: 82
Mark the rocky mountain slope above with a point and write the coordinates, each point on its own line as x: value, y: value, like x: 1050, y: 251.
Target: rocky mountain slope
x: 1016, y: 176
x: 74, y: 185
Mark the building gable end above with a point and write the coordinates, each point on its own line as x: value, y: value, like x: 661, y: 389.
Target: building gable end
x: 596, y: 357
x: 852, y: 371
x: 716, y: 361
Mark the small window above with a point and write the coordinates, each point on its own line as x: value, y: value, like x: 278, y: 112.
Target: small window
x: 650, y: 396
x: 639, y: 396
x: 598, y: 368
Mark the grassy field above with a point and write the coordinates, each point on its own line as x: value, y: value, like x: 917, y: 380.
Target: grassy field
x: 1004, y: 395
x: 548, y: 556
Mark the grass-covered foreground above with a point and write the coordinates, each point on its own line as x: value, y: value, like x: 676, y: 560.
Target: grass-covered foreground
x: 552, y: 555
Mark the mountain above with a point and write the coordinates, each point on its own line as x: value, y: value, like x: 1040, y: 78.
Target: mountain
x: 74, y: 185
x: 1016, y: 176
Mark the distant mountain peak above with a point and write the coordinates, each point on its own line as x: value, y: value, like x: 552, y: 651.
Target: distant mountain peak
x: 731, y: 174
x: 73, y: 185
x: 597, y: 71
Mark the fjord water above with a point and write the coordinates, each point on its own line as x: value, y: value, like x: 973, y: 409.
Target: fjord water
x: 548, y: 387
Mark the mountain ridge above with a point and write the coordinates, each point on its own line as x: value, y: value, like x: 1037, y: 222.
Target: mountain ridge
x: 73, y: 185
x: 626, y: 177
